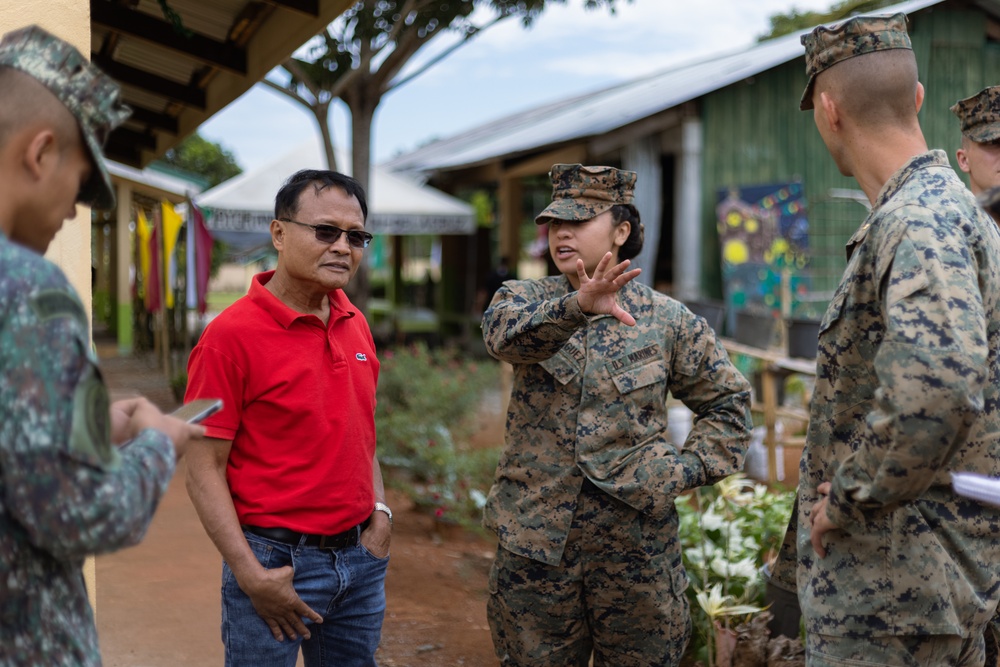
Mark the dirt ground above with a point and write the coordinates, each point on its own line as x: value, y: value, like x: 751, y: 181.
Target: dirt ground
x: 158, y: 603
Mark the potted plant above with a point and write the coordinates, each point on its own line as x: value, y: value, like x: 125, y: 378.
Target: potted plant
x: 756, y: 327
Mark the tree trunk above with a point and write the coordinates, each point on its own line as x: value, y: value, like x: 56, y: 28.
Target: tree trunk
x: 361, y: 140
x: 362, y: 103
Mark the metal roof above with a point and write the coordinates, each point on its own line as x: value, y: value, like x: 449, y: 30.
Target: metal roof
x: 599, y: 112
x: 176, y: 74
x: 153, y: 182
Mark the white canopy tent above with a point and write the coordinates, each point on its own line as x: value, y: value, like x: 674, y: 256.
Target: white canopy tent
x: 240, y: 210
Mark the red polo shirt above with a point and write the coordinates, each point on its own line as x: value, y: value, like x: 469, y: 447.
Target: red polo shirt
x: 299, y: 408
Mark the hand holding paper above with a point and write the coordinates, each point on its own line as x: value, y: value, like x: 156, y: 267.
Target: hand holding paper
x: 978, y: 487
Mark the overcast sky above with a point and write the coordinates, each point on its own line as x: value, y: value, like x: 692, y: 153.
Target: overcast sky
x: 509, y: 68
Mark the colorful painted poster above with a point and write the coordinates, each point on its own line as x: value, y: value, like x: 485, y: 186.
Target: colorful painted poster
x: 763, y: 235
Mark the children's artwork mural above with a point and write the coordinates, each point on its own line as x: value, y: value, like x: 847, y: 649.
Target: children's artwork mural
x: 763, y: 235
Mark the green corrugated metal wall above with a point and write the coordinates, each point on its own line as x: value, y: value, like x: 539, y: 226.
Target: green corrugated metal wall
x: 754, y: 133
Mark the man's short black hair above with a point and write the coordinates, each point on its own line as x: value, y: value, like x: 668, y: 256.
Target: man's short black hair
x: 286, y: 203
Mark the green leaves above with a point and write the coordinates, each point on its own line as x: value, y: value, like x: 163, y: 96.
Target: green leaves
x: 204, y: 158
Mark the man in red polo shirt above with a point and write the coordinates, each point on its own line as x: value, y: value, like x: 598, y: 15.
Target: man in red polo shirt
x: 287, y: 484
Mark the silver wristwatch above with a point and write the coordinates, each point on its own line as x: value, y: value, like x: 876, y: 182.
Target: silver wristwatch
x: 382, y: 507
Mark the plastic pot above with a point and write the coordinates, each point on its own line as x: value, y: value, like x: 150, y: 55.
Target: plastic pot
x: 803, y: 338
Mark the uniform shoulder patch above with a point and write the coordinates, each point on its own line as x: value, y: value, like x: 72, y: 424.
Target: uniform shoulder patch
x: 49, y: 304
x: 90, y: 437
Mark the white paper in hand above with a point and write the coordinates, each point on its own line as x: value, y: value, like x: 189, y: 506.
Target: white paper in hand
x: 978, y: 487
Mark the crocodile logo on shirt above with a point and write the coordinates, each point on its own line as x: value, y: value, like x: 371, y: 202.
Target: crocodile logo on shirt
x: 360, y: 356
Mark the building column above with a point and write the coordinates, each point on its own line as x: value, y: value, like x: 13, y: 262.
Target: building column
x: 687, y: 214
x: 123, y: 257
x: 70, y: 20
x: 643, y: 157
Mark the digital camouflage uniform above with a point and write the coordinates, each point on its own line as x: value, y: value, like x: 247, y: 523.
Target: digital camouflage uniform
x: 583, y: 500
x: 907, y: 390
x: 65, y: 491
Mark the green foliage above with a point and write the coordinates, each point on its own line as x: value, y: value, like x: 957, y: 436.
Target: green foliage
x: 358, y: 58
x: 728, y: 531
x: 205, y: 158
x: 427, y: 401
x: 378, y: 37
x: 482, y: 203
x: 178, y: 385
x: 794, y: 20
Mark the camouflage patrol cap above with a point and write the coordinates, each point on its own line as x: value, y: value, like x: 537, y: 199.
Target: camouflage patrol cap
x: 857, y: 36
x: 980, y: 115
x: 89, y: 94
x: 581, y: 193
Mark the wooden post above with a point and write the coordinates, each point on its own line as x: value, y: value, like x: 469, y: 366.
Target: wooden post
x: 123, y: 262
x: 786, y: 306
x: 161, y: 264
x: 511, y: 213
x: 768, y: 379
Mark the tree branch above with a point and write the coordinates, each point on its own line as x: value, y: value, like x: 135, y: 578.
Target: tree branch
x: 297, y: 72
x: 392, y: 85
x: 291, y: 93
x: 408, y: 8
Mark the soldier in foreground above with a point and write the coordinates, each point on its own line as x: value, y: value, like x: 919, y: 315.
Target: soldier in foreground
x: 589, y: 557
x: 66, y: 489
x: 893, y: 568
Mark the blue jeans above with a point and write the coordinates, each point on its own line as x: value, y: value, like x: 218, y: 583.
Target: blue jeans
x: 346, y: 586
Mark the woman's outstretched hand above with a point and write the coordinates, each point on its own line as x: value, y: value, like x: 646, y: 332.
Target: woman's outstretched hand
x: 597, y: 293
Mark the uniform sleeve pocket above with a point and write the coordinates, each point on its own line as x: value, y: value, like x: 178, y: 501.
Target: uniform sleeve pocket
x: 90, y: 430
x: 907, y: 275
x: 561, y: 367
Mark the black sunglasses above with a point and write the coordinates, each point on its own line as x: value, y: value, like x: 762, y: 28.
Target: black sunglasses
x: 329, y: 234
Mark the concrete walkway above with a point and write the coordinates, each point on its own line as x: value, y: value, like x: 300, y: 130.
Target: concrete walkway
x: 158, y: 603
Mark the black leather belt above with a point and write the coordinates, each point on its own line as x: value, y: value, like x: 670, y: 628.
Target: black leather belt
x: 348, y: 538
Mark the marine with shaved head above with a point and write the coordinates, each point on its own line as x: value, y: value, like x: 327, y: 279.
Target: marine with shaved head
x: 890, y: 565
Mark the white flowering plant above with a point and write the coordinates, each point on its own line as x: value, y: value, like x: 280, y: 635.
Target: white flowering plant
x: 728, y: 532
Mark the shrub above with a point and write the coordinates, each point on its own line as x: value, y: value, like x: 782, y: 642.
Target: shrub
x: 178, y: 386
x: 427, y: 402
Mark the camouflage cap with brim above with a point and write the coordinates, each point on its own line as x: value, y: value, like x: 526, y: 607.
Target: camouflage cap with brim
x: 582, y: 193
x: 828, y: 45
x: 980, y: 115
x: 89, y: 94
